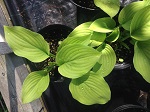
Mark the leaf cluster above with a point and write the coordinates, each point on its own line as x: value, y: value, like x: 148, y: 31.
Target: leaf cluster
x: 87, y: 55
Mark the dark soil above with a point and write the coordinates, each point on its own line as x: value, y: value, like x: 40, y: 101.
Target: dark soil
x: 123, y: 52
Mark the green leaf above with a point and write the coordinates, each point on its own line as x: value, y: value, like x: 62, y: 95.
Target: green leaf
x: 26, y: 43
x: 103, y: 25
x: 141, y: 59
x: 83, y: 26
x: 90, y: 89
x: 114, y: 35
x: 97, y: 39
x: 76, y: 60
x: 80, y: 35
x: 128, y: 12
x: 111, y: 7
x: 107, y: 61
x: 147, y: 2
x: 34, y: 85
x: 140, y: 25
x: 97, y: 36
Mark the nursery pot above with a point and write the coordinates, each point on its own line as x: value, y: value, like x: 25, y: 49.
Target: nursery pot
x: 125, y: 84
x: 89, y: 4
x: 130, y: 108
x: 53, y: 34
x: 86, y: 10
x: 86, y: 4
x: 57, y: 97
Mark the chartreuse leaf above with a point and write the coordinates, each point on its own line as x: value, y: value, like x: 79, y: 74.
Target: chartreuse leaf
x: 75, y: 60
x: 34, y: 85
x: 114, y: 35
x: 97, y: 36
x: 97, y: 39
x: 90, y: 89
x: 26, y: 43
x: 128, y: 12
x: 147, y: 2
x: 103, y: 25
x: 106, y: 62
x: 141, y: 58
x: 111, y: 7
x: 81, y: 35
x: 83, y: 26
x: 140, y: 25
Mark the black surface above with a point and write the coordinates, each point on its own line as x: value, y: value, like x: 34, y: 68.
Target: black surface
x: 87, y: 11
x: 36, y: 14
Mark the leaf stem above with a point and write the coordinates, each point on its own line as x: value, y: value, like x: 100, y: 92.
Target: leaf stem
x: 52, y: 55
x: 101, y: 47
x: 50, y: 67
x: 123, y: 39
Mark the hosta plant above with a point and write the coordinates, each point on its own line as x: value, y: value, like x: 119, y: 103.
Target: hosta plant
x: 89, y: 53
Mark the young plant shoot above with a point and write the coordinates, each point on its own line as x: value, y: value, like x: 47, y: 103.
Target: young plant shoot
x: 89, y: 53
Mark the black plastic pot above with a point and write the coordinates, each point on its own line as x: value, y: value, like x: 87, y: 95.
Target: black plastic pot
x: 130, y: 108
x: 57, y: 97
x: 126, y: 2
x: 124, y: 81
x: 55, y: 33
x: 87, y: 4
x: 87, y: 11
x: 52, y: 34
x: 125, y: 84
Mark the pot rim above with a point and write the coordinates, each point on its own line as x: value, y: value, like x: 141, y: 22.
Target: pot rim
x: 92, y: 9
x: 55, y: 26
x: 130, y: 106
x: 120, y: 66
